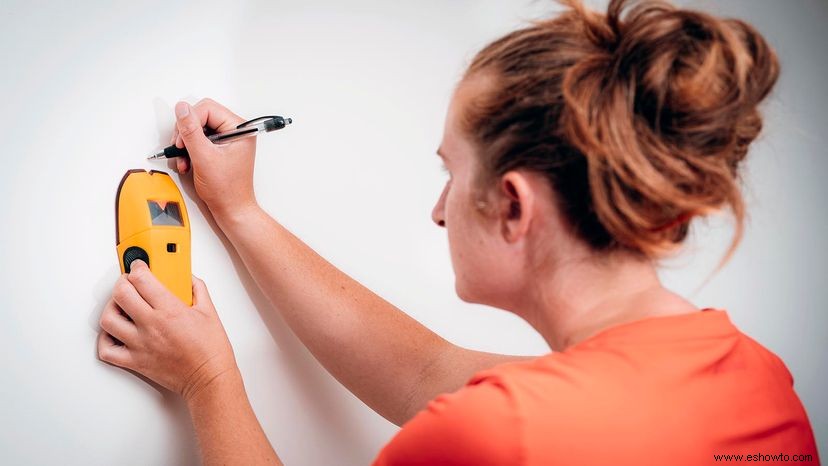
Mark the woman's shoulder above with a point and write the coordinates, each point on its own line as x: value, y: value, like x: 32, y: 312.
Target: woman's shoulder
x: 481, y: 423
x: 658, y: 351
x: 477, y: 424
x: 638, y: 378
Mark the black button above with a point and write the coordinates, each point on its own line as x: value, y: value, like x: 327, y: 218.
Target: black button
x: 170, y: 247
x: 132, y: 253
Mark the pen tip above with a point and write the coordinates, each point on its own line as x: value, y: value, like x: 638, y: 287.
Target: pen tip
x: 288, y: 121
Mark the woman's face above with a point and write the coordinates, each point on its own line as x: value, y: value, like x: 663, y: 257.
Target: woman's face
x: 483, y: 263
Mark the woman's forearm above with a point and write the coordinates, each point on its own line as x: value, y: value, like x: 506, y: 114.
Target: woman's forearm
x: 227, y: 429
x: 387, y: 359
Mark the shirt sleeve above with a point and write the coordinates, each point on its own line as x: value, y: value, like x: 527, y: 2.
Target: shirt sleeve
x: 476, y: 425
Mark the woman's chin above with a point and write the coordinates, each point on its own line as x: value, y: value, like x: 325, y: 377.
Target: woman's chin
x: 467, y: 293
x: 462, y: 292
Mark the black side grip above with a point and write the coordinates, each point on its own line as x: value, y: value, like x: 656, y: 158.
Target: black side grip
x: 132, y: 253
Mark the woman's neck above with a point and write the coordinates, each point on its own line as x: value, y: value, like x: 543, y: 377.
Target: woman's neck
x: 582, y: 297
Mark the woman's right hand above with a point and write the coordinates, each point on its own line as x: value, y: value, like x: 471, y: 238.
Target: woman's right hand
x: 222, y: 174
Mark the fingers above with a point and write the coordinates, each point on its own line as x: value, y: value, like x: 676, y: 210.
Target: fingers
x: 205, y: 112
x: 201, y: 298
x: 113, y: 353
x: 182, y: 165
x: 216, y: 116
x: 149, y: 288
x: 190, y: 123
x: 117, y: 324
x: 129, y: 300
x: 190, y: 130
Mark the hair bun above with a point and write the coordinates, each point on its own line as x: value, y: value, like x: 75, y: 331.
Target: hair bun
x: 692, y: 73
x: 665, y: 107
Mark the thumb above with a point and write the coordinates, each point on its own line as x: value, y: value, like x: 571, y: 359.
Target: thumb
x: 190, y: 130
x: 201, y: 298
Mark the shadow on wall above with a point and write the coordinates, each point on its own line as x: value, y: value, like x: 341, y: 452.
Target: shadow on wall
x: 184, y: 450
x: 316, y: 385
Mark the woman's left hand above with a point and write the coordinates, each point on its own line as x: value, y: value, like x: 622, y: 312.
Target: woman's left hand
x: 180, y: 347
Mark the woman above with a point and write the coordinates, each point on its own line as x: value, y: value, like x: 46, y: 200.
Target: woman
x: 579, y: 150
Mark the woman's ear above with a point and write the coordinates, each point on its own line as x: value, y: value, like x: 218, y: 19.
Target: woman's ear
x: 516, y: 205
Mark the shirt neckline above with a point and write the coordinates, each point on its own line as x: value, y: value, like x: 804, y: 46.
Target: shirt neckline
x: 705, y: 323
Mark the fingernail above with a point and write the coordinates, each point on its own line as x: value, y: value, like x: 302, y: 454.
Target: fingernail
x: 136, y: 263
x: 182, y: 109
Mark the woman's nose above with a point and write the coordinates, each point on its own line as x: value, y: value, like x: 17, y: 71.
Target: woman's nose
x: 438, y: 213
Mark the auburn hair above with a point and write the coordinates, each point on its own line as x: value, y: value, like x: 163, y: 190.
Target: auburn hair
x: 639, y: 117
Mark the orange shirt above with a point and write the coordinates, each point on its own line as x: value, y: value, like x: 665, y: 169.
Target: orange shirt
x: 669, y: 390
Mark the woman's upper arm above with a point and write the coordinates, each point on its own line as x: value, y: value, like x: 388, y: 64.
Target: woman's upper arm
x: 450, y: 370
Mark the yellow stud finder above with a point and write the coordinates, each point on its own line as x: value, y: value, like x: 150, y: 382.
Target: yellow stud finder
x: 152, y: 225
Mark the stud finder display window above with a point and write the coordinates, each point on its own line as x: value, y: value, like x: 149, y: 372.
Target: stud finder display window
x: 165, y: 213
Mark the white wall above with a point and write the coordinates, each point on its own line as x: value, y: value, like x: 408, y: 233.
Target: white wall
x: 87, y: 90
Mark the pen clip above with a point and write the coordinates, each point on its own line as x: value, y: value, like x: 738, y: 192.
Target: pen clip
x: 256, y: 120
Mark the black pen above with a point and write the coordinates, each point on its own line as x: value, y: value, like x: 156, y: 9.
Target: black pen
x: 249, y: 128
